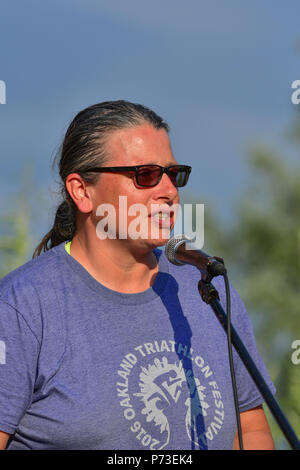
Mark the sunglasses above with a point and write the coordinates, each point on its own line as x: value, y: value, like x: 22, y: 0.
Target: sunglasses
x: 148, y: 176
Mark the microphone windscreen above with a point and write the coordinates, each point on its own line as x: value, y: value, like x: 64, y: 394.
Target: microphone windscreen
x: 171, y: 247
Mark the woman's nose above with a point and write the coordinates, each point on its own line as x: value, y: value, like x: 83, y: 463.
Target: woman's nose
x: 166, y: 187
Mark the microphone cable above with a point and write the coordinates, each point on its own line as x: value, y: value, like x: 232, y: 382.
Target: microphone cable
x: 235, y: 396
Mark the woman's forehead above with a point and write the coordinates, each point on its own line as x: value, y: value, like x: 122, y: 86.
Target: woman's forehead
x: 139, y: 145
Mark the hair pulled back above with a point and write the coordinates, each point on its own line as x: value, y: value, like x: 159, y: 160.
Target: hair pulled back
x: 83, y: 147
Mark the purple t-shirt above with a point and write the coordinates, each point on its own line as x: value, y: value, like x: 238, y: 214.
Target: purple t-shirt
x: 86, y: 367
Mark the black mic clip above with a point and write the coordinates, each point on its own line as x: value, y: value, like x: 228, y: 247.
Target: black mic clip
x: 215, y: 266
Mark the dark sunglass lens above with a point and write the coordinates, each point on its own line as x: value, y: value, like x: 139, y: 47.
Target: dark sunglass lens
x: 179, y: 176
x: 148, y: 176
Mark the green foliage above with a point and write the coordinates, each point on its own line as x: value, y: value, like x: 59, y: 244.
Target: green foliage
x: 263, y: 253
x: 18, y: 228
x: 14, y: 239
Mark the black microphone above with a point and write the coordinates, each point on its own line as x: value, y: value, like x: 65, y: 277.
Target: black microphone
x: 178, y: 254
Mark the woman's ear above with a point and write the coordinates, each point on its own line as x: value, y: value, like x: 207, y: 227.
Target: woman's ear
x: 79, y: 192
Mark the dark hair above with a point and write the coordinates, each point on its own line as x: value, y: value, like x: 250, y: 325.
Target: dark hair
x: 84, y: 147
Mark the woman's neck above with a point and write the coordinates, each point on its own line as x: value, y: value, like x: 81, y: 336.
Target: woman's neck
x: 112, y: 263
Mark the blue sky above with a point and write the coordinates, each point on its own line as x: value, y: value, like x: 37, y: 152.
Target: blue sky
x: 219, y: 72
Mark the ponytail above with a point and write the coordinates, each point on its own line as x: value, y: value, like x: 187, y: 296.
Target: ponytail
x: 63, y: 229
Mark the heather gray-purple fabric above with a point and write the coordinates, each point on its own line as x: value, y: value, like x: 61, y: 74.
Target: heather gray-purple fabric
x: 85, y: 367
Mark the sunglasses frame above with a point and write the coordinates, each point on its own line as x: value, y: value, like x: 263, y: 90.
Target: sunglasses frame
x: 135, y: 169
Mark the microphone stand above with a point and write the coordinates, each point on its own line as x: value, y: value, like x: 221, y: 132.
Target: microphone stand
x: 210, y: 295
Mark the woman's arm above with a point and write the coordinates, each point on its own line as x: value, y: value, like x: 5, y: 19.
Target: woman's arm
x: 3, y: 440
x: 255, y: 431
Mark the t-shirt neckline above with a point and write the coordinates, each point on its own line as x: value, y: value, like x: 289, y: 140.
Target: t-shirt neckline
x: 150, y: 294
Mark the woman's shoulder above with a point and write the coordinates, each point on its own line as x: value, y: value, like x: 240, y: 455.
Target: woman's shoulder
x: 25, y: 284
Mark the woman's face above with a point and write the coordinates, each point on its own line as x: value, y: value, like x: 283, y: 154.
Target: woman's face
x: 137, y: 146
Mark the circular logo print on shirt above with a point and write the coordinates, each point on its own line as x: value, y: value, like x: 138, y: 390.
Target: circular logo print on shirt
x: 166, y: 390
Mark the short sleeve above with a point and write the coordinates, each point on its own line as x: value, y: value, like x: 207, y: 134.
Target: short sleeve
x: 19, y: 349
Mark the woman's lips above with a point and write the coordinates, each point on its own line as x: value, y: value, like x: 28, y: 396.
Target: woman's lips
x: 163, y: 219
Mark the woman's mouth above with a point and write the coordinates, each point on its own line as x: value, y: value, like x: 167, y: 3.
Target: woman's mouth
x: 163, y: 219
